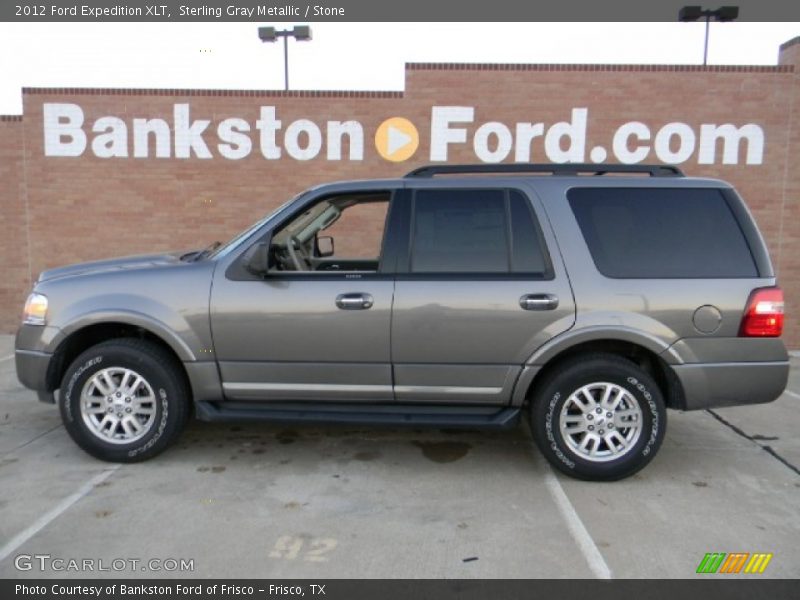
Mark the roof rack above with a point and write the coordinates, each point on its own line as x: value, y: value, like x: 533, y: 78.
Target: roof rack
x: 565, y: 169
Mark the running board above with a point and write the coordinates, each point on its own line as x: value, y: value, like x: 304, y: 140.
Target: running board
x: 423, y: 416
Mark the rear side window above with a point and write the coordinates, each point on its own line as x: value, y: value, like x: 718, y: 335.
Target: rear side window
x: 662, y: 233
x: 475, y: 231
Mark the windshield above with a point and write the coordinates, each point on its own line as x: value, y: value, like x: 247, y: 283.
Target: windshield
x: 224, y: 249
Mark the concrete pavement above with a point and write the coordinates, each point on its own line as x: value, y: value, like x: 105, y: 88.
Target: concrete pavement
x: 293, y: 502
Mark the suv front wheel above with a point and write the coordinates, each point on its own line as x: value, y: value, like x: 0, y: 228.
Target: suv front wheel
x: 124, y: 400
x: 598, y: 417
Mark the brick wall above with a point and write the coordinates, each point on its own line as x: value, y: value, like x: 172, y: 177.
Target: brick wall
x: 789, y: 231
x: 58, y: 210
x: 14, y: 271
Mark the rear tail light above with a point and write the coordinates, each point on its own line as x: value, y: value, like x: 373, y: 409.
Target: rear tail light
x: 763, y: 316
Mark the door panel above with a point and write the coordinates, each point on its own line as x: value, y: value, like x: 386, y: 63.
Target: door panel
x: 477, y: 293
x: 298, y: 332
x: 451, y: 335
x: 286, y: 339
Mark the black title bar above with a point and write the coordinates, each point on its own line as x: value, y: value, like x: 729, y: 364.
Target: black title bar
x: 372, y: 10
x: 710, y: 588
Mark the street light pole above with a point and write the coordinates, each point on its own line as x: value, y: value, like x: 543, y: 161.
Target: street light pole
x: 302, y: 33
x: 286, y: 59
x: 694, y: 13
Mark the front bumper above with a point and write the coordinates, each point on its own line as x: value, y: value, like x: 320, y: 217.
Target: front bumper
x: 32, y: 369
x: 716, y: 385
x: 33, y: 357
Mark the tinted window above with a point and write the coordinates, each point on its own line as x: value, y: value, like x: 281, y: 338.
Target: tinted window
x: 527, y: 247
x: 460, y: 231
x: 661, y: 233
x: 476, y: 231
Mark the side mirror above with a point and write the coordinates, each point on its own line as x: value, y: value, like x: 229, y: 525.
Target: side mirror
x: 256, y: 259
x: 325, y: 246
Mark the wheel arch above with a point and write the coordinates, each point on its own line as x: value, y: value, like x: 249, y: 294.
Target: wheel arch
x: 644, y: 355
x: 80, y: 338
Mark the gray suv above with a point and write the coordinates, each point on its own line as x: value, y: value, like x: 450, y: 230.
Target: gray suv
x: 588, y: 297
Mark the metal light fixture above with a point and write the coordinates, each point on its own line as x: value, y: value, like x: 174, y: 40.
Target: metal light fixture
x: 302, y: 33
x: 695, y: 13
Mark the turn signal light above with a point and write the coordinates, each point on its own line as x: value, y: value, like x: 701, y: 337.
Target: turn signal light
x: 35, y: 312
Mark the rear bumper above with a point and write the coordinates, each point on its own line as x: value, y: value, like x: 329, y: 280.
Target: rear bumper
x: 715, y: 385
x: 32, y: 371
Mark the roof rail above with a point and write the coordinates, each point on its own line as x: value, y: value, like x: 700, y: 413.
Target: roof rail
x: 565, y: 169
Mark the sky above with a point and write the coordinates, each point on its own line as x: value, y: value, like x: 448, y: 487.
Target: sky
x: 344, y: 56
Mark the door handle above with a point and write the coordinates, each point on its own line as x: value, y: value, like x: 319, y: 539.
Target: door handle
x: 539, y: 302
x: 355, y: 301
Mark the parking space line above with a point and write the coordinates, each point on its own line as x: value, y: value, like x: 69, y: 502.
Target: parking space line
x: 576, y: 527
x: 54, y: 513
x: 33, y: 439
x: 792, y: 394
x: 5, y: 358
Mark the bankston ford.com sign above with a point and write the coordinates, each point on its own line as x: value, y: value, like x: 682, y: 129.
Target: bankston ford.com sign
x: 68, y: 133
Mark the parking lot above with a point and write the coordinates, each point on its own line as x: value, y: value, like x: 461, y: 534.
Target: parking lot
x: 304, y: 502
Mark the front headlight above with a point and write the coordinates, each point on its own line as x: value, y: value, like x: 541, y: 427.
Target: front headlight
x: 35, y: 310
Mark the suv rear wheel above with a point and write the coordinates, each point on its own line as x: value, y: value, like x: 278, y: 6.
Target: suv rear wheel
x: 598, y: 417
x: 124, y: 400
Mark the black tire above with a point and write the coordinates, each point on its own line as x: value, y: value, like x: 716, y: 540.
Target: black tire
x: 163, y: 381
x: 555, y: 391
